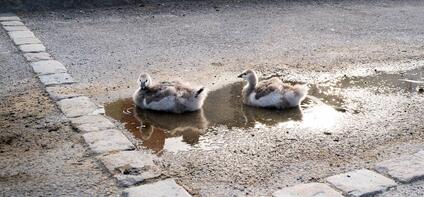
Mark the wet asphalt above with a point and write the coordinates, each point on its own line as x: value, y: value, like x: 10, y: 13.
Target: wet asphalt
x: 354, y: 52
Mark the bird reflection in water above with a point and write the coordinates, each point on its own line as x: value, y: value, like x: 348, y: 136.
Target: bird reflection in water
x: 157, y: 128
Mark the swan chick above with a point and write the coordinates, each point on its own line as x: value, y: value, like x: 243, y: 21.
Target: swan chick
x: 271, y: 93
x: 173, y: 96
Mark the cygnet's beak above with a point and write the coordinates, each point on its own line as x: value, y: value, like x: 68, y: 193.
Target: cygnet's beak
x: 240, y: 76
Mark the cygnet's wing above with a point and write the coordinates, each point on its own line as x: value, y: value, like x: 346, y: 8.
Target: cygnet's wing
x: 159, y: 91
x: 184, y: 90
x: 265, y: 87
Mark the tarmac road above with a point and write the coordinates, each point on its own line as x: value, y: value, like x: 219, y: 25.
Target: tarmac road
x: 209, y: 42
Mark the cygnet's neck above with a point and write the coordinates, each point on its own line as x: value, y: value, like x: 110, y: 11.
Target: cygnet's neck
x: 252, y: 80
x: 250, y: 87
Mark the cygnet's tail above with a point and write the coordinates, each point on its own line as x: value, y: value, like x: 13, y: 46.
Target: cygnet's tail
x: 301, y: 91
x: 198, y: 92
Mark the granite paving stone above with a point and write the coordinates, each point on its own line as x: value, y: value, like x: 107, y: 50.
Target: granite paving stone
x: 31, y: 48
x: 15, y: 28
x: 9, y: 17
x: 308, y: 190
x: 131, y: 167
x: 78, y: 106
x: 163, y: 188
x: 20, y: 34
x: 361, y: 182
x: 404, y: 169
x: 107, y: 141
x: 91, y: 123
x: 35, y: 57
x: 56, y: 79
x: 61, y: 92
x: 22, y: 41
x: 12, y: 23
x: 48, y: 67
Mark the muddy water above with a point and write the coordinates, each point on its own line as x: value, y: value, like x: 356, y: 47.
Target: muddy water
x: 223, y: 107
x: 323, y: 108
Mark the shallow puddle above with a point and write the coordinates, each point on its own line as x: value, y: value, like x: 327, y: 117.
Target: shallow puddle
x: 175, y: 132
x: 223, y: 107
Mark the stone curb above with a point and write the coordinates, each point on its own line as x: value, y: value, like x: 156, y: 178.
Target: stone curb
x: 86, y: 124
x: 31, y: 48
x: 15, y: 28
x: 9, y: 17
x: 166, y: 187
x: 116, y: 152
x: 35, y: 57
x: 308, y: 189
x: 56, y: 79
x: 24, y: 41
x: 48, y: 67
x: 131, y: 167
x: 12, y: 23
x: 107, y: 141
x: 361, y: 183
x: 61, y: 91
x: 20, y: 34
x: 77, y: 106
x: 404, y: 169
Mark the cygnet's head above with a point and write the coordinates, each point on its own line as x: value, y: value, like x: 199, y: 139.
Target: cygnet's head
x: 144, y: 80
x: 248, y: 75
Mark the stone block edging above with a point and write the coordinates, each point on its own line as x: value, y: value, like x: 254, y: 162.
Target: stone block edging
x: 361, y: 182
x: 404, y: 169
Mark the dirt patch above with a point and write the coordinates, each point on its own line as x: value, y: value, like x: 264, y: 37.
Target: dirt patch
x: 40, y: 154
